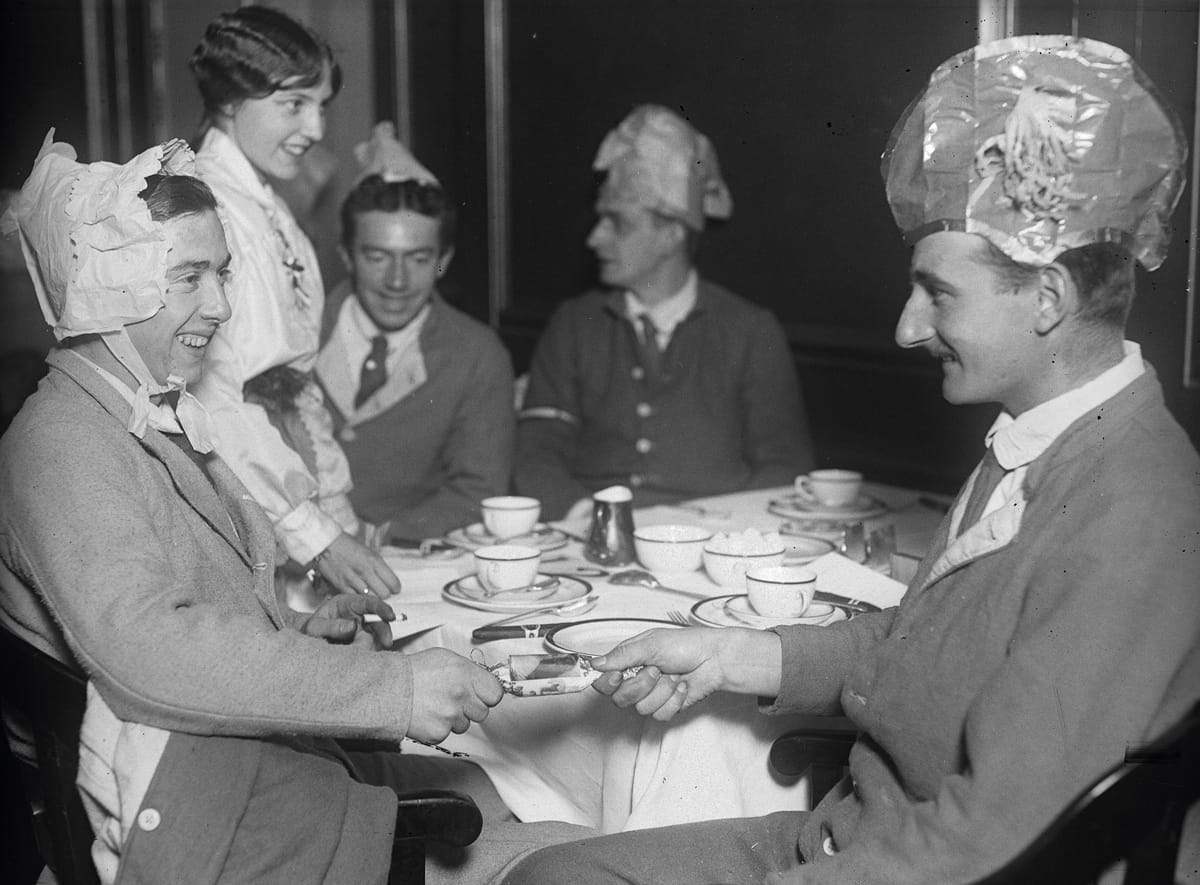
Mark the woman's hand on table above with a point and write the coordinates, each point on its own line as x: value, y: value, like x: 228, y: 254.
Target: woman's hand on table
x: 679, y: 668
x: 449, y: 693
x: 340, y: 619
x: 352, y: 567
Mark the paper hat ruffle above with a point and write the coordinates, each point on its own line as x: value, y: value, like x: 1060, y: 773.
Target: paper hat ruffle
x: 383, y: 155
x: 1041, y: 144
x: 654, y: 158
x: 96, y: 257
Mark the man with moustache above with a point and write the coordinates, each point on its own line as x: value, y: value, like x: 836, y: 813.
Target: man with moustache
x: 1055, y: 624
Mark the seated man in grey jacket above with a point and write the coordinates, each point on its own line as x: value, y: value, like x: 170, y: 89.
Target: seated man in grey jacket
x: 129, y: 550
x: 1055, y: 623
x: 660, y: 380
x: 420, y: 392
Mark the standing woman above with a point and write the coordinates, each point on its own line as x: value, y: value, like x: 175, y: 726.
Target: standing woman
x: 266, y: 80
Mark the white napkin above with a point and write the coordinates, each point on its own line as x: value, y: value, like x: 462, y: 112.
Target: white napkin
x: 837, y: 574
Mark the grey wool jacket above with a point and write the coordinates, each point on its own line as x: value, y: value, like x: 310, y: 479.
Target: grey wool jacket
x: 120, y: 557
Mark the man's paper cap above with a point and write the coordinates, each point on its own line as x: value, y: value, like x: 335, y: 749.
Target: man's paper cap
x: 1041, y: 144
x: 657, y: 160
x: 384, y: 155
x: 96, y: 257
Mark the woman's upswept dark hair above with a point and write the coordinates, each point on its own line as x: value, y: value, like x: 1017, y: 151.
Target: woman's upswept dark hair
x: 251, y: 52
x: 170, y: 196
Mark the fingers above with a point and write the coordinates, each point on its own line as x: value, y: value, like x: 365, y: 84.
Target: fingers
x: 630, y: 653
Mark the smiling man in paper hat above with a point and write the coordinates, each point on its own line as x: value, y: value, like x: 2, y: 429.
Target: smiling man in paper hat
x: 132, y: 554
x: 421, y: 393
x: 661, y: 380
x: 1055, y: 624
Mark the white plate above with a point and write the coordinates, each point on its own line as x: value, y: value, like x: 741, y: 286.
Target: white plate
x: 598, y: 637
x: 466, y: 591
x: 727, y: 611
x: 801, y: 507
x: 474, y: 536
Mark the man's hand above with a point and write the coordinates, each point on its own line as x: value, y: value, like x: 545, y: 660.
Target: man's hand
x: 349, y: 566
x: 680, y: 668
x: 449, y: 693
x: 340, y: 619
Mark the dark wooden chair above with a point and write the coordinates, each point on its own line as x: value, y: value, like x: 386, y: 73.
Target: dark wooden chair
x: 50, y: 698
x: 1134, y: 813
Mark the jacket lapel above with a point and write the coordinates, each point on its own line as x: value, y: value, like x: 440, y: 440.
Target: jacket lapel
x: 187, y: 477
x: 333, y: 370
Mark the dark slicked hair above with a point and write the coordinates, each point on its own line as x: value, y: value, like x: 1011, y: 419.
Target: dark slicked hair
x: 373, y: 194
x: 170, y: 196
x: 1102, y: 272
x: 252, y: 52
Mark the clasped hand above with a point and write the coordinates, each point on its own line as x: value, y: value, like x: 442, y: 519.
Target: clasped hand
x: 351, y: 567
x: 680, y: 668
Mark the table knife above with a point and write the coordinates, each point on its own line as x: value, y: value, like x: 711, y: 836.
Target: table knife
x: 854, y: 605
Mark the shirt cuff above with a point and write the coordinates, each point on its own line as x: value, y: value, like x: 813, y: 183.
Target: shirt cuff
x: 306, y: 531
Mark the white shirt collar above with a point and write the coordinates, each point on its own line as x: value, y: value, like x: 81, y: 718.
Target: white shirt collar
x: 1018, y: 441
x: 669, y: 312
x: 398, y: 340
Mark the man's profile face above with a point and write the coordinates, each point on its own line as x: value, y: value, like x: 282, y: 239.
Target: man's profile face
x: 395, y: 261
x: 965, y: 313
x: 630, y: 242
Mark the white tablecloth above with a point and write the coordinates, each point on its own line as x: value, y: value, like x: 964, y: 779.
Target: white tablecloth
x: 581, y: 759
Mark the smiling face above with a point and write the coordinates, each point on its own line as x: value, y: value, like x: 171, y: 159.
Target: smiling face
x: 174, y: 340
x: 632, y: 245
x: 395, y: 262
x: 966, y: 313
x: 276, y: 132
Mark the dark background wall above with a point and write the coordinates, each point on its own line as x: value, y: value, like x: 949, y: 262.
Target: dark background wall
x: 799, y: 98
x: 797, y: 95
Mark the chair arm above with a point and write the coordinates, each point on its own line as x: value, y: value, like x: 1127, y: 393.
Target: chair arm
x: 793, y: 753
x: 439, y: 815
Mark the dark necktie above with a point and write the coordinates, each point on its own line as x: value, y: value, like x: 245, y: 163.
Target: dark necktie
x: 651, y: 354
x: 374, y: 371
x: 990, y: 474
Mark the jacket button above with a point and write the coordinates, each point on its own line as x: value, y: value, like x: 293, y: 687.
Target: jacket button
x: 638, y: 373
x: 827, y: 846
x: 644, y: 410
x: 643, y: 446
x: 636, y: 480
x: 149, y: 819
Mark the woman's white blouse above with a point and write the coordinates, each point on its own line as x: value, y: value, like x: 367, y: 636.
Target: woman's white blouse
x: 276, y: 296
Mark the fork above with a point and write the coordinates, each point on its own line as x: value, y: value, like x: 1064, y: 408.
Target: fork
x: 677, y: 617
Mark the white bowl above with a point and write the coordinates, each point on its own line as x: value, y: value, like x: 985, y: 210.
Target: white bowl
x: 670, y: 548
x: 729, y: 569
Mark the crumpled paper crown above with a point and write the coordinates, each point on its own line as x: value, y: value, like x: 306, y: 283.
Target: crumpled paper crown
x: 1041, y: 144
x: 654, y: 158
x: 96, y: 257
x: 383, y: 155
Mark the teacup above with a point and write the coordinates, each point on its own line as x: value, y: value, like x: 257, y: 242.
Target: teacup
x: 503, y: 567
x: 507, y: 516
x: 833, y: 488
x: 780, y: 591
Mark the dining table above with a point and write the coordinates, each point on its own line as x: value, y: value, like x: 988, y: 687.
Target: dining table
x: 578, y: 757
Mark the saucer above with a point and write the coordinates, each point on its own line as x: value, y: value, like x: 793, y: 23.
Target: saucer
x: 803, y: 549
x: 474, y: 536
x: 802, y: 507
x: 469, y: 592
x: 734, y: 611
